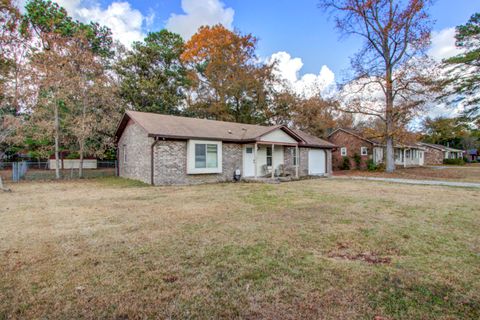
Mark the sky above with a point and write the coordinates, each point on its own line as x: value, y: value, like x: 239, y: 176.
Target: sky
x: 302, y: 38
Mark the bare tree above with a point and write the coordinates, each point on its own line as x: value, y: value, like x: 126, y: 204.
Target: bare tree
x: 396, y: 34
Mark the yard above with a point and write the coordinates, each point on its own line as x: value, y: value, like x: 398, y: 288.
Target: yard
x: 467, y: 173
x: 329, y: 249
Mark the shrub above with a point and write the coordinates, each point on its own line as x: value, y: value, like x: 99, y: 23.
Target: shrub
x: 371, y: 166
x: 345, y: 163
x: 358, y: 160
x: 73, y: 155
x: 458, y: 162
x: 381, y: 167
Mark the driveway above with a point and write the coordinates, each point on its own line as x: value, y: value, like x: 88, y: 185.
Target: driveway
x: 414, y: 181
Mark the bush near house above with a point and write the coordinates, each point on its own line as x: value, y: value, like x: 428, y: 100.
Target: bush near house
x: 358, y: 161
x: 345, y: 163
x: 459, y: 162
x: 371, y: 166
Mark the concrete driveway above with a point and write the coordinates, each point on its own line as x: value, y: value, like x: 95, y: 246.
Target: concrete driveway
x: 414, y: 181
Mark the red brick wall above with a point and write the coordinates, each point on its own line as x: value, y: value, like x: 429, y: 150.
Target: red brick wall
x: 353, y: 145
x: 433, y: 156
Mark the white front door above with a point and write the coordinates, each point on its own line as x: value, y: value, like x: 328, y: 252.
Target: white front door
x: 316, y: 161
x: 248, y: 161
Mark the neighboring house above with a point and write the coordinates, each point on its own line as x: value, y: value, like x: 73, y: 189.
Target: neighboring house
x: 350, y: 142
x: 436, y: 153
x: 473, y: 154
x: 161, y: 149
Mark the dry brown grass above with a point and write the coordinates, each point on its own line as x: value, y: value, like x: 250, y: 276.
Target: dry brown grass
x: 467, y: 173
x: 109, y: 248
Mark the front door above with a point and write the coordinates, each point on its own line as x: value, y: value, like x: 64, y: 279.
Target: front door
x: 248, y: 161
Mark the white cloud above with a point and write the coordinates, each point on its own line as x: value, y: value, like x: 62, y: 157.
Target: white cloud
x: 199, y: 13
x: 125, y: 22
x: 309, y: 84
x: 443, y: 44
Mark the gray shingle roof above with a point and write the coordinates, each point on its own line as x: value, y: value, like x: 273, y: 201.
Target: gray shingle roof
x: 167, y: 126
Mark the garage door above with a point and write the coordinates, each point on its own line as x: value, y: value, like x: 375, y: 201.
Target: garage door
x: 316, y: 162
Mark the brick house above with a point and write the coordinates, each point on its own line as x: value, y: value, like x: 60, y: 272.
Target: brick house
x: 350, y: 142
x: 162, y: 149
x: 436, y: 153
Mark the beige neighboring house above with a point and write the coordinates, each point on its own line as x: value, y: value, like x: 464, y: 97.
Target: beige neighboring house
x: 163, y: 149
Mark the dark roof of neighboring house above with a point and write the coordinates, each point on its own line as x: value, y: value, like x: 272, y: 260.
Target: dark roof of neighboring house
x: 356, y: 134
x: 312, y: 141
x: 372, y: 140
x: 440, y: 147
x: 174, y: 127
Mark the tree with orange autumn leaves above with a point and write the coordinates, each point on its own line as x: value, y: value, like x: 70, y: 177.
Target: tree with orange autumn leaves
x: 228, y: 81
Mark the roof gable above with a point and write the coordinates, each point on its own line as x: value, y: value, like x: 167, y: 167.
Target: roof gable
x: 278, y: 135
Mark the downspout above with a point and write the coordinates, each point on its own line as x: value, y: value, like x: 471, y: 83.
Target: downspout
x: 152, y: 162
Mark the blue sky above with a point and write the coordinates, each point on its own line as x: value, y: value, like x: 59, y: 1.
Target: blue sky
x: 298, y: 27
x: 296, y: 33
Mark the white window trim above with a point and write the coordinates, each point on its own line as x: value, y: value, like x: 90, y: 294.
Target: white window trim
x: 191, y: 157
x: 343, y: 151
x: 364, y: 149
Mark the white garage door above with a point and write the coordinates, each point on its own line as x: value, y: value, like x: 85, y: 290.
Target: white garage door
x: 316, y: 162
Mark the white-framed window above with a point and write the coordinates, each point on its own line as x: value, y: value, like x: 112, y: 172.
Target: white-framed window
x: 269, y: 156
x: 294, y: 156
x: 343, y: 151
x: 204, y: 157
x: 364, y: 151
x: 125, y: 153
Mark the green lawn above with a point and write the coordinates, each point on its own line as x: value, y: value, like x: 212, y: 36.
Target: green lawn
x: 328, y: 249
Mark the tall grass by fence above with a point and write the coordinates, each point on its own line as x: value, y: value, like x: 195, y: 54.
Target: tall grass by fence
x: 38, y: 170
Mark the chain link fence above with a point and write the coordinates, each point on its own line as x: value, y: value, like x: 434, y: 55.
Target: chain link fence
x: 45, y: 170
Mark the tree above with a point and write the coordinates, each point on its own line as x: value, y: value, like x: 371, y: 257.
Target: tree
x: 67, y: 73
x: 445, y: 131
x: 10, y: 40
x: 44, y: 17
x: 94, y: 107
x: 396, y: 34
x: 228, y: 82
x: 464, y: 80
x: 153, y: 78
x: 11, y: 45
x: 314, y: 115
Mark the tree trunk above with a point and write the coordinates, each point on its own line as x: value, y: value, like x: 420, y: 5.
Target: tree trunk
x: 81, y: 141
x: 57, y: 142
x: 80, y: 169
x: 390, y: 154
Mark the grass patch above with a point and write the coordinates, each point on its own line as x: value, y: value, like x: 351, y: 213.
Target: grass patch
x: 120, y: 182
x: 329, y: 249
